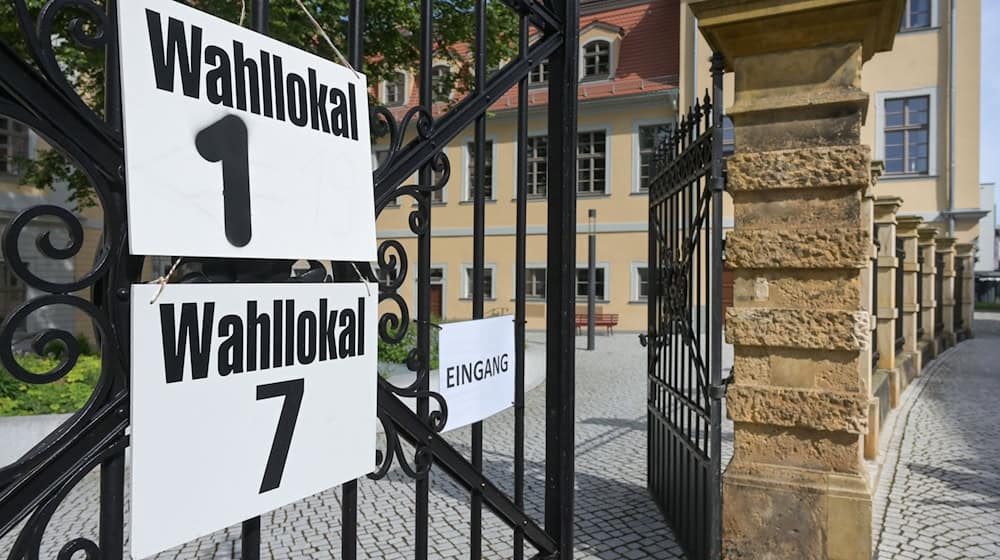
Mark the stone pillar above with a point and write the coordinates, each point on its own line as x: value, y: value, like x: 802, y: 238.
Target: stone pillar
x: 885, y: 232
x: 966, y: 253
x: 946, y: 248
x: 909, y: 361
x: 868, y: 295
x: 927, y: 243
x: 797, y: 486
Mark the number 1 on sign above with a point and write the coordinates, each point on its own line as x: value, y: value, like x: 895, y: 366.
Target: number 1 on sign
x: 226, y: 140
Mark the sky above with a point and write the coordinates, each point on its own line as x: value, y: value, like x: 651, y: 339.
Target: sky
x: 989, y: 146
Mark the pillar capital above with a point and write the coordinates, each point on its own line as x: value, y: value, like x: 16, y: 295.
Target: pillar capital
x: 886, y: 208
x: 740, y: 28
x: 964, y: 249
x: 907, y: 226
x: 946, y: 244
x: 927, y: 234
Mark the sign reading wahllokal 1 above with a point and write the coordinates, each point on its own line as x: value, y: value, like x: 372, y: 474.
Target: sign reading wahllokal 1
x: 476, y: 374
x: 259, y: 149
x: 246, y: 397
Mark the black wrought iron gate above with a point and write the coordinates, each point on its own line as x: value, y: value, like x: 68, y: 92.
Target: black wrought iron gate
x: 684, y: 338
x: 35, y: 91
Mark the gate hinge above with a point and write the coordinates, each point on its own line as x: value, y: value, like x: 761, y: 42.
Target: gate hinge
x: 643, y: 339
x: 718, y: 390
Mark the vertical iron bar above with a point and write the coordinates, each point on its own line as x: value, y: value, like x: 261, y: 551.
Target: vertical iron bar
x: 111, y: 531
x: 250, y: 539
x: 714, y: 536
x: 422, y: 511
x: 560, y: 338
x: 349, y: 490
x: 520, y: 258
x: 250, y: 530
x: 591, y: 275
x: 478, y: 265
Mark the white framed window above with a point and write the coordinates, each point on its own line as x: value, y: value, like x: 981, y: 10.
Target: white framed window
x: 591, y: 162
x: 13, y: 145
x: 728, y: 136
x: 539, y: 74
x: 437, y: 196
x: 919, y: 14
x: 648, y: 138
x: 470, y: 170
x: 602, y: 275
x: 537, y: 162
x: 597, y: 59
x: 640, y: 281
x: 535, y: 282
x: 906, y: 132
x: 394, y: 90
x: 441, y: 83
x: 489, y: 281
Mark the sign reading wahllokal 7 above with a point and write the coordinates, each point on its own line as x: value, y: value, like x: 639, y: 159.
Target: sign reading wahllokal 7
x: 255, y: 148
x: 246, y: 397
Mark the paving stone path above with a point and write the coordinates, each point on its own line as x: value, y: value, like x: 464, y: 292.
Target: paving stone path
x: 615, y: 517
x: 939, y: 493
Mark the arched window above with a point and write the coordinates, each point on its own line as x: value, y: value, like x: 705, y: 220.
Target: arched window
x: 597, y: 59
x: 394, y: 90
x: 441, y: 83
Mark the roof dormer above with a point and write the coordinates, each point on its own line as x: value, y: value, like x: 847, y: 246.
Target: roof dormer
x: 600, y: 45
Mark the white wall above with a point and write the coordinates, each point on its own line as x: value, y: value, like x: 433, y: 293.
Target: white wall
x: 988, y: 258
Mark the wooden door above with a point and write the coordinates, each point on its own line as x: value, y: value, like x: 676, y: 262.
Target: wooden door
x: 437, y: 293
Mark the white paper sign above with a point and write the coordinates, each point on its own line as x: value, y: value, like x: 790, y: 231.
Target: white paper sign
x: 237, y: 145
x: 246, y: 397
x: 476, y: 374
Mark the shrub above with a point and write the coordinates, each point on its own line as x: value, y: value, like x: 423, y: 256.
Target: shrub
x: 63, y: 396
x: 397, y: 353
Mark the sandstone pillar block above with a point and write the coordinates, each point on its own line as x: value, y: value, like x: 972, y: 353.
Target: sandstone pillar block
x: 886, y: 312
x: 800, y: 400
x: 927, y: 237
x: 965, y: 252
x: 909, y: 360
x: 946, y: 254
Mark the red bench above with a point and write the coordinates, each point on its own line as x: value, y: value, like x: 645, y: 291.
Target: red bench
x: 607, y: 320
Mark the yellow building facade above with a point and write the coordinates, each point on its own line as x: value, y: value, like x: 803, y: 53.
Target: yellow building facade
x: 923, y: 112
x: 624, y: 107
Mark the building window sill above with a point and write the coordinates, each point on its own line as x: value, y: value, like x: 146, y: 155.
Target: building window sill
x: 488, y: 201
x: 906, y: 176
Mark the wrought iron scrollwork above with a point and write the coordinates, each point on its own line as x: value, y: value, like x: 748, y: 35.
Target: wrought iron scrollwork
x: 393, y: 265
x: 58, y: 113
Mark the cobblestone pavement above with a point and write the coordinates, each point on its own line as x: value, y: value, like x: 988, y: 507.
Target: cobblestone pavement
x: 615, y: 518
x: 939, y: 492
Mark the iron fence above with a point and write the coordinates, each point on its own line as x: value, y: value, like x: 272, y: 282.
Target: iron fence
x: 34, y: 90
x: 938, y: 293
x: 920, y: 295
x: 684, y: 340
x: 959, y: 291
x: 900, y: 287
x: 874, y: 303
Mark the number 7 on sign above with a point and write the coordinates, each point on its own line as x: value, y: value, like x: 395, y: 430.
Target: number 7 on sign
x: 292, y: 392
x: 226, y: 140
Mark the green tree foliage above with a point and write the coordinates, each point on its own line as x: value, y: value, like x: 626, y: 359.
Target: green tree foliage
x: 392, y: 32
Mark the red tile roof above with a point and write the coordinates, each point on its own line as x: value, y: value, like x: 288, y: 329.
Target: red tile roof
x: 648, y: 60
